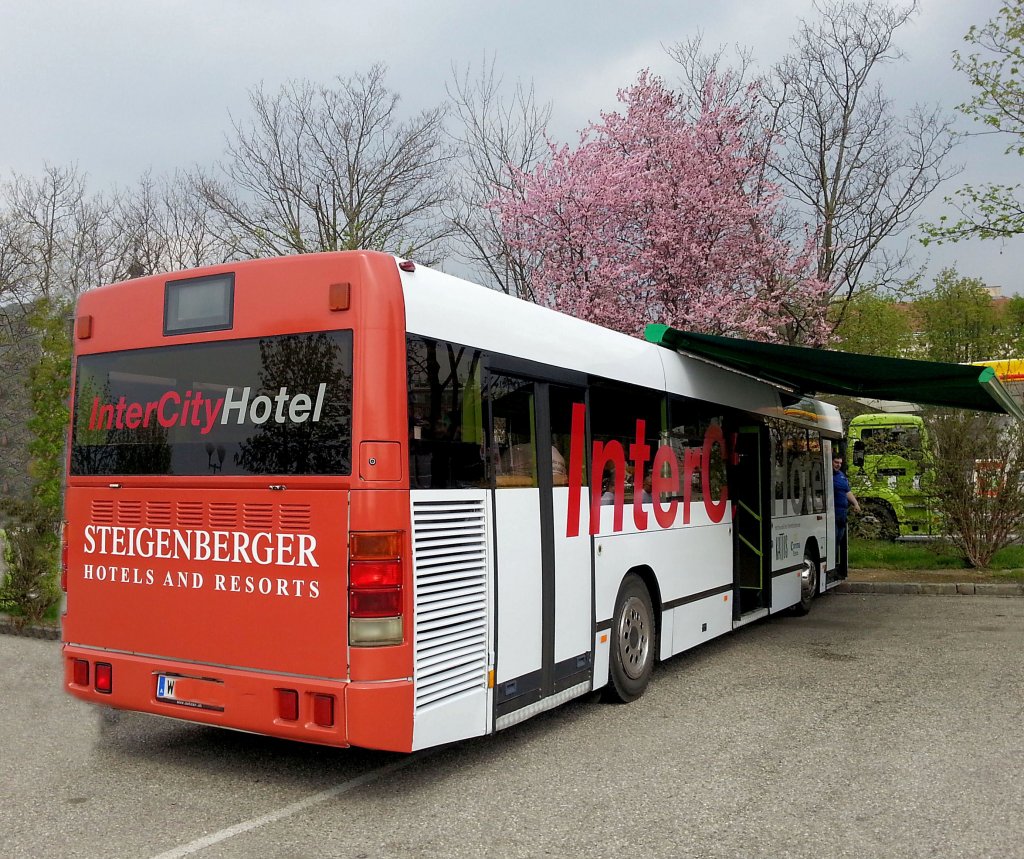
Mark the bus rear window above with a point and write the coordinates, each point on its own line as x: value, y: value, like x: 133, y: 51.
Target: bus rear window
x: 264, y: 406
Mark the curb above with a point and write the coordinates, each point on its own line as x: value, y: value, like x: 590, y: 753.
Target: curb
x: 26, y: 630
x: 1002, y: 589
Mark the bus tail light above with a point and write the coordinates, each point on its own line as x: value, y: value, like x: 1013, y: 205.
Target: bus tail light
x: 382, y: 602
x: 80, y: 675
x: 104, y: 677
x: 375, y: 588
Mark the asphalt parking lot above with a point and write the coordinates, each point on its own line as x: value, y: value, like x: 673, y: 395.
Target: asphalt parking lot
x: 879, y: 725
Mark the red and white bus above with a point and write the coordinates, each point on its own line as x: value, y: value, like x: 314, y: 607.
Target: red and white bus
x: 345, y: 499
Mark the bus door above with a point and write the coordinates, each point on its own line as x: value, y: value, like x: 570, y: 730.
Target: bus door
x: 751, y: 522
x: 544, y: 605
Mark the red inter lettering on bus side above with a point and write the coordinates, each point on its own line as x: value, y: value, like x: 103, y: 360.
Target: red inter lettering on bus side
x: 716, y: 512
x: 605, y: 454
x: 665, y: 459
x: 639, y: 452
x: 577, y: 444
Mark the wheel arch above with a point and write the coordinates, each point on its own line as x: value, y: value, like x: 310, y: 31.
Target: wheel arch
x: 812, y: 546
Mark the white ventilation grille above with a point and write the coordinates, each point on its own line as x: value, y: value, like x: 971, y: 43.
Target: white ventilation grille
x: 450, y: 562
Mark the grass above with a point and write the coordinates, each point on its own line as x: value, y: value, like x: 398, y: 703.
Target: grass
x: 1007, y: 563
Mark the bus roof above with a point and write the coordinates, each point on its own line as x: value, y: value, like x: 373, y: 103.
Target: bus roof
x: 441, y: 306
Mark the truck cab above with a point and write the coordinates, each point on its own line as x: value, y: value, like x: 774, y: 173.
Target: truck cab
x: 890, y: 472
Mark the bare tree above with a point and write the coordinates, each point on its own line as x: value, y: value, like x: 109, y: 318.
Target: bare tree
x: 17, y: 352
x: 163, y: 224
x: 56, y: 240
x: 856, y: 170
x: 498, y: 140
x: 321, y: 168
x: 67, y: 240
x: 699, y: 66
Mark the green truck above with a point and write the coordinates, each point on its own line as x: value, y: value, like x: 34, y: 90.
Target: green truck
x: 890, y: 472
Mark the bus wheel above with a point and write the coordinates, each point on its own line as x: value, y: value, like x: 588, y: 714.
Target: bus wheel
x: 808, y: 585
x: 633, y: 638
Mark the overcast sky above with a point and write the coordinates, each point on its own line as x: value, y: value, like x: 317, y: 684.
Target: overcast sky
x: 120, y: 87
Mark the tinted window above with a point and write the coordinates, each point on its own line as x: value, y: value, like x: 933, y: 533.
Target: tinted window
x: 269, y: 405
x: 692, y: 423
x: 446, y: 435
x: 514, y: 445
x: 615, y: 411
x: 798, y: 469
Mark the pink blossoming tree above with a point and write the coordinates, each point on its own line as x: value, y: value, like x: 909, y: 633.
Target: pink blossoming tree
x: 658, y: 218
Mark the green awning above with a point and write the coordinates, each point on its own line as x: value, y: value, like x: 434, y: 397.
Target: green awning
x: 814, y: 371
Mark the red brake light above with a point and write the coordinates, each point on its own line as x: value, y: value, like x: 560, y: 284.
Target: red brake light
x: 81, y: 672
x: 375, y: 574
x: 104, y: 677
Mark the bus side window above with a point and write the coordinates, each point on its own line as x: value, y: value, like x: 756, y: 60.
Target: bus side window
x: 689, y: 422
x: 616, y: 411
x: 562, y: 401
x: 446, y: 438
x: 513, y: 444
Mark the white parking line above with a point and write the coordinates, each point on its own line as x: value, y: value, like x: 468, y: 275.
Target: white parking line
x: 286, y: 811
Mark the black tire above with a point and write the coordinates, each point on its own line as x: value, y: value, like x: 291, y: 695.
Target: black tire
x: 808, y: 585
x: 633, y: 642
x: 876, y: 521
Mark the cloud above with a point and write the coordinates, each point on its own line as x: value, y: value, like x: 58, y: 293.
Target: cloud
x: 119, y: 86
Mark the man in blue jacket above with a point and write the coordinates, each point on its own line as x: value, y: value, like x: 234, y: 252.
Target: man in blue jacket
x: 844, y: 497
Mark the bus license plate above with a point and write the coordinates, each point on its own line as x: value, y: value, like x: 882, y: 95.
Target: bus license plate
x: 165, y: 686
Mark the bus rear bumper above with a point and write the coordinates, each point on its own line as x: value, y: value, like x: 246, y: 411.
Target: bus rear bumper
x: 311, y: 710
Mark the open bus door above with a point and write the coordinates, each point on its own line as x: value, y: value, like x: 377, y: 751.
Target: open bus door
x: 748, y: 489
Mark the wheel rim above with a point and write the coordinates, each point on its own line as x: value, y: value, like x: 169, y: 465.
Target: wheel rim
x: 807, y: 576
x: 634, y: 637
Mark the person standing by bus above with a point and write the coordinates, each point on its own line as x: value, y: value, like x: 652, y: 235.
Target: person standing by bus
x: 844, y: 497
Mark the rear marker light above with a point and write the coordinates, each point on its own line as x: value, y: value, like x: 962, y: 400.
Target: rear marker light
x: 104, y: 677
x: 83, y: 327
x: 339, y: 296
x: 407, y: 265
x: 80, y: 675
x: 323, y: 710
x: 287, y: 704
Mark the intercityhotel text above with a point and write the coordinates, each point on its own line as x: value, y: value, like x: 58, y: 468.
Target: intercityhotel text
x: 193, y: 409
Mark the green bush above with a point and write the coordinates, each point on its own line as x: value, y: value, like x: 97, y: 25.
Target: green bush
x: 31, y: 588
